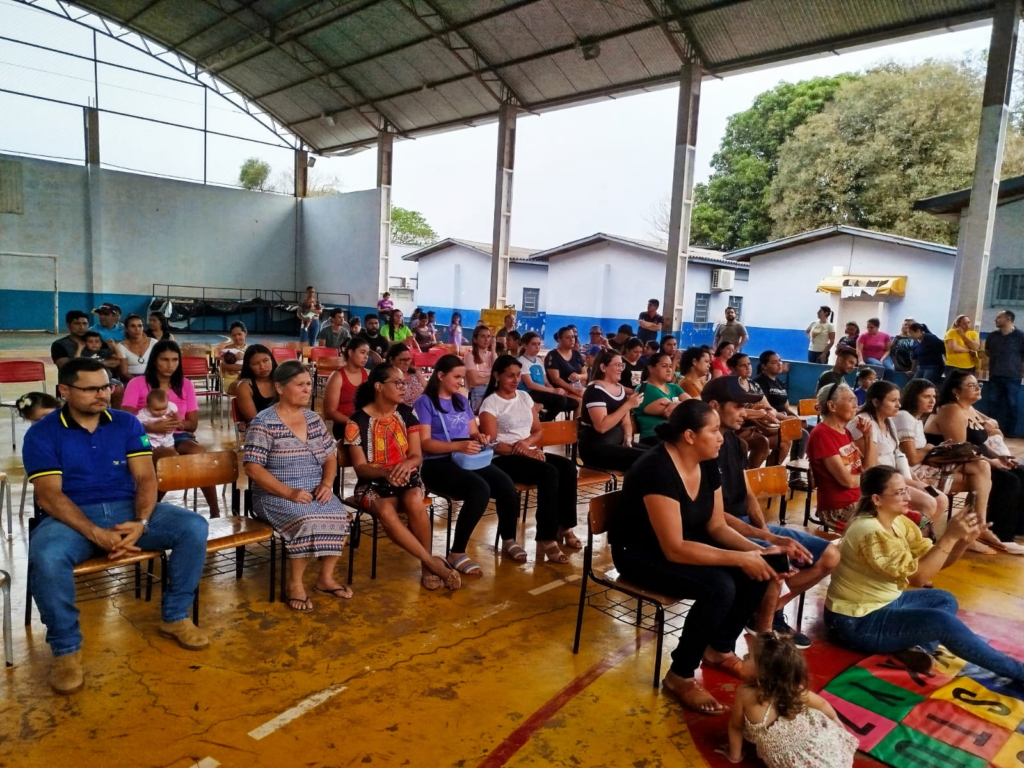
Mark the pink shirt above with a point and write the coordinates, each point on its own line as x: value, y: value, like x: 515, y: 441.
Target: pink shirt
x: 487, y: 358
x: 873, y: 346
x: 137, y: 389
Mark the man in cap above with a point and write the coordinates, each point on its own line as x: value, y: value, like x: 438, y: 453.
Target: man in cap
x: 108, y: 326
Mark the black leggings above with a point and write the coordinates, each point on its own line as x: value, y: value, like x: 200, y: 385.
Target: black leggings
x: 551, y: 403
x: 724, y: 598
x: 1006, y: 503
x: 555, y: 478
x: 474, y: 488
x: 618, y: 458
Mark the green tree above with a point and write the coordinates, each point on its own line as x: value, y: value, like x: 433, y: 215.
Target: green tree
x: 898, y: 134
x: 731, y: 209
x: 254, y: 174
x: 410, y: 228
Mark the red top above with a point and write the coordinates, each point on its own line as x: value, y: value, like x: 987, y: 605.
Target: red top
x: 347, y: 398
x: 719, y: 365
x: 824, y: 442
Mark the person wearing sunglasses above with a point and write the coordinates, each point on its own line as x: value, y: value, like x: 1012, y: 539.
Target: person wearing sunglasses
x: 93, y: 474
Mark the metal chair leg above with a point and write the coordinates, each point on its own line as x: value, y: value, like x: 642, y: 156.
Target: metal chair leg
x: 579, y: 614
x: 451, y: 511
x: 639, y: 610
x: 273, y: 565
x: 138, y: 580
x: 24, y: 493
x: 5, y: 586
x: 239, y: 561
x: 659, y: 617
x: 5, y: 489
x: 284, y: 572
x: 351, y: 557
x: 149, y: 579
x: 800, y: 611
x: 373, y: 550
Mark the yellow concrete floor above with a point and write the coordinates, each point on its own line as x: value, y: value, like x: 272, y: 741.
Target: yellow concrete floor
x: 395, y: 677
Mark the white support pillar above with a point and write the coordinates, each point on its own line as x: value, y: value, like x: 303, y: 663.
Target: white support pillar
x: 385, y: 152
x: 301, y: 172
x: 682, y: 196
x: 970, y: 273
x: 503, y: 204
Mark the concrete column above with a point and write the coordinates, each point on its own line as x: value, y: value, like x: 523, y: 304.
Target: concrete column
x: 301, y: 172
x: 970, y: 273
x: 682, y: 195
x: 385, y: 157
x: 503, y: 204
x: 93, y: 201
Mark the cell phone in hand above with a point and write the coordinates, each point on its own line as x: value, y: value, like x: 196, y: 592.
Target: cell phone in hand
x: 931, y: 491
x: 778, y: 562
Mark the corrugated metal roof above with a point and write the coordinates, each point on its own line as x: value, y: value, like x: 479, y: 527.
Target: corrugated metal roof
x: 744, y: 254
x: 951, y: 203
x: 700, y: 255
x: 515, y: 254
x: 423, y: 66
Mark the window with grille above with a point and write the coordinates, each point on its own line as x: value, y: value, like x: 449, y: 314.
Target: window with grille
x: 736, y: 302
x: 531, y: 300
x: 700, y: 308
x: 1008, y: 287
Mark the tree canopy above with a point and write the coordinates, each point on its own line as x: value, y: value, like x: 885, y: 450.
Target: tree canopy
x: 254, y: 174
x: 410, y: 227
x: 895, y: 135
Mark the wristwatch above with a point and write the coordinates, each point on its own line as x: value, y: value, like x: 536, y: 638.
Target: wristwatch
x: 145, y: 523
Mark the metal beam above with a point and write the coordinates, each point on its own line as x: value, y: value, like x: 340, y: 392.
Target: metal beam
x: 301, y: 173
x: 503, y: 173
x: 385, y: 156
x: 970, y: 273
x: 682, y: 195
x: 656, y: 12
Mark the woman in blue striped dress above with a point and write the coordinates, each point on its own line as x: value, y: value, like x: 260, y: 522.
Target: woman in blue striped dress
x: 290, y: 458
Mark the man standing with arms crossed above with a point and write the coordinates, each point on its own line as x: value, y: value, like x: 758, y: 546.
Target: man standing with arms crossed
x: 732, y: 330
x: 1005, y: 348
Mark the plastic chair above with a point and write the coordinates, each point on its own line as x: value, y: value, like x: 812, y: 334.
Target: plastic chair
x: 315, y: 353
x: 281, y: 354
x: 237, y: 422
x: 203, y: 378
x: 19, y: 372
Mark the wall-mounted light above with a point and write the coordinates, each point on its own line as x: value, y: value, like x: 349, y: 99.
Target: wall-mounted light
x: 311, y: 161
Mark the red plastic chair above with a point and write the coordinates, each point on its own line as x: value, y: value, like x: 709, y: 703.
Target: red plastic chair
x: 281, y: 354
x: 315, y: 353
x: 19, y: 372
x: 203, y: 378
x: 237, y: 421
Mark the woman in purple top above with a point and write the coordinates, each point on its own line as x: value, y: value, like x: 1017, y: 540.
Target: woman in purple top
x: 873, y: 346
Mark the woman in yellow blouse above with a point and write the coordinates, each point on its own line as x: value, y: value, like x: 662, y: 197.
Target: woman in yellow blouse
x: 869, y: 608
x: 962, y: 345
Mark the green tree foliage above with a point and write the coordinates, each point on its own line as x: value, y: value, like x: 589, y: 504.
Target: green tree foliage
x: 894, y: 136
x: 410, y: 228
x: 731, y: 210
x: 254, y: 175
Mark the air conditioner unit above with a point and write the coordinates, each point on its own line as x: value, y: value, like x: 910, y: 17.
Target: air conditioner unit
x: 722, y: 279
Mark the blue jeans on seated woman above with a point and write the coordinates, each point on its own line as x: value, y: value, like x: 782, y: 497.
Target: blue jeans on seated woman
x: 925, y: 618
x: 887, y: 363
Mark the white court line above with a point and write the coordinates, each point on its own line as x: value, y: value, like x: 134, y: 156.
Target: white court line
x: 207, y: 762
x: 554, y: 584
x: 485, y: 615
x: 295, y: 712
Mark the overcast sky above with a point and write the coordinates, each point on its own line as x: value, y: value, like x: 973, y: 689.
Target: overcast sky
x: 599, y: 167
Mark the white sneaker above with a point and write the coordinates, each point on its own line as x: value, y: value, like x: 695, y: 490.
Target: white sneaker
x: 1012, y: 548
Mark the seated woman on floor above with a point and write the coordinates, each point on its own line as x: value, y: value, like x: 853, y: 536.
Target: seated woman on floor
x: 509, y: 416
x: 255, y: 390
x: 661, y: 396
x: 447, y: 428
x: 956, y: 419
x: 606, y: 431
x: 290, y: 459
x: 535, y: 382
x: 340, y: 390
x: 670, y: 535
x: 869, y: 607
x: 880, y: 405
x: 383, y: 436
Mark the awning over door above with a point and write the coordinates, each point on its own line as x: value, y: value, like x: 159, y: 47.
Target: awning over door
x: 853, y: 286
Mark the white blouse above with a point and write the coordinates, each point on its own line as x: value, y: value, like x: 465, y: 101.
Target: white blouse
x: 136, y: 363
x: 514, y: 417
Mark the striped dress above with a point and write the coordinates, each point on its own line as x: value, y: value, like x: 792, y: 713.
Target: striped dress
x: 309, y: 530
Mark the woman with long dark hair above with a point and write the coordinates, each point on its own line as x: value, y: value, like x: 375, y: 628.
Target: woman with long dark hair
x: 255, y: 390
x: 164, y: 372
x: 400, y: 356
x: 383, y: 437
x: 869, y: 606
x: 447, y: 428
x: 158, y: 328
x: 821, y: 335
x: 564, y: 366
x: 340, y: 390
x: 135, y: 348
x: 478, y: 362
x: 509, y: 416
x: 455, y: 337
x: 231, y: 353
x: 606, y: 431
x: 670, y: 534
x: 397, y: 332
x: 694, y: 365
x: 720, y: 362
x: 661, y: 396
x: 534, y: 380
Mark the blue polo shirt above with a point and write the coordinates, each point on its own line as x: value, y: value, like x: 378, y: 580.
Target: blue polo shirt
x: 93, y: 465
x: 109, y: 334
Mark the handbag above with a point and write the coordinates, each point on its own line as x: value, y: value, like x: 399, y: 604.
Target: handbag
x: 469, y: 461
x: 956, y: 453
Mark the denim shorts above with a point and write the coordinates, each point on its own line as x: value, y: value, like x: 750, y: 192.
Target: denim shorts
x: 183, y: 437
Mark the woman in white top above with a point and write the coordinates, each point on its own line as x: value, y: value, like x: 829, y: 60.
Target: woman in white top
x: 509, y: 416
x: 821, y: 335
x: 134, y: 349
x: 881, y: 405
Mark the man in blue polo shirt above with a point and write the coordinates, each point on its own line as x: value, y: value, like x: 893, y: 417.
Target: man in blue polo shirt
x: 92, y: 469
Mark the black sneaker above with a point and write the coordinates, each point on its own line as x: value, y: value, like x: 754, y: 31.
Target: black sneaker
x: 800, y: 640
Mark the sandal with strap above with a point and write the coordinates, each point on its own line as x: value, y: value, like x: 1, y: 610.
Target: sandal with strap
x: 299, y: 604
x: 695, y: 697
x: 346, y: 593
x: 431, y: 581
x: 730, y: 665
x: 549, y: 551
x: 465, y: 566
x: 454, y: 580
x: 569, y: 539
x: 513, y: 550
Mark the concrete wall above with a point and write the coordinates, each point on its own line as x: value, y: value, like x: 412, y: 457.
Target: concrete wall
x: 1007, y: 252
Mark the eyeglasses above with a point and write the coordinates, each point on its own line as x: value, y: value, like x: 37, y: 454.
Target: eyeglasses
x: 971, y: 385
x: 92, y: 390
x: 903, y: 492
x: 399, y: 383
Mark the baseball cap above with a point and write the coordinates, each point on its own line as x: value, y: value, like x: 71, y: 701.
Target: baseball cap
x: 727, y: 389
x: 106, y: 308
x: 626, y: 329
x: 592, y: 349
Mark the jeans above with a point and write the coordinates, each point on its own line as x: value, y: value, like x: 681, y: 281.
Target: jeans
x: 551, y: 403
x: 887, y: 363
x: 55, y: 549
x: 814, y: 357
x: 723, y: 599
x: 931, y: 372
x: 615, y: 458
x: 925, y: 618
x: 308, y: 335
x: 555, y: 478
x: 474, y: 487
x: 1003, y: 397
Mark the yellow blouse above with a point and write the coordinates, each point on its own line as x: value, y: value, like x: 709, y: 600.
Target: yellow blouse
x: 874, y: 565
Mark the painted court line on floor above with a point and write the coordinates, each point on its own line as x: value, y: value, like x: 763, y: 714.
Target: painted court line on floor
x: 554, y: 584
x: 207, y: 762
x: 516, y: 740
x: 295, y: 712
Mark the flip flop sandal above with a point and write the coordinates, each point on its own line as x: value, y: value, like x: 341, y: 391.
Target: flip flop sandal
x: 304, y: 603
x: 570, y: 540
x: 694, y: 696
x: 346, y: 592
x: 553, y: 554
x: 431, y: 581
x: 731, y: 665
x: 517, y: 553
x: 466, y: 567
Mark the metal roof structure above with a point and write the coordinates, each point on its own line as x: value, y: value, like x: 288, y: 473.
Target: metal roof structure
x: 337, y: 72
x: 949, y: 205
x: 698, y: 255
x: 744, y: 254
x: 515, y: 254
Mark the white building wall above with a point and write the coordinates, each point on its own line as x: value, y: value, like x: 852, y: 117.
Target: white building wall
x: 1007, y: 252
x: 522, y: 275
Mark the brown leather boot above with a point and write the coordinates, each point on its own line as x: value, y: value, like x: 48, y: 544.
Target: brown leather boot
x: 66, y: 673
x: 189, y: 636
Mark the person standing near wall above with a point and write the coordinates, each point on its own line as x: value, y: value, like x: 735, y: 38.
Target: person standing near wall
x: 821, y: 335
x: 308, y: 312
x: 1005, y: 348
x: 385, y: 304
x: 962, y: 345
x: 929, y: 355
x: 731, y: 330
x: 650, y: 322
x: 903, y: 348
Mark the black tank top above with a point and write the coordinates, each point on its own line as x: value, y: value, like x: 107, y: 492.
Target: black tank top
x: 258, y: 399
